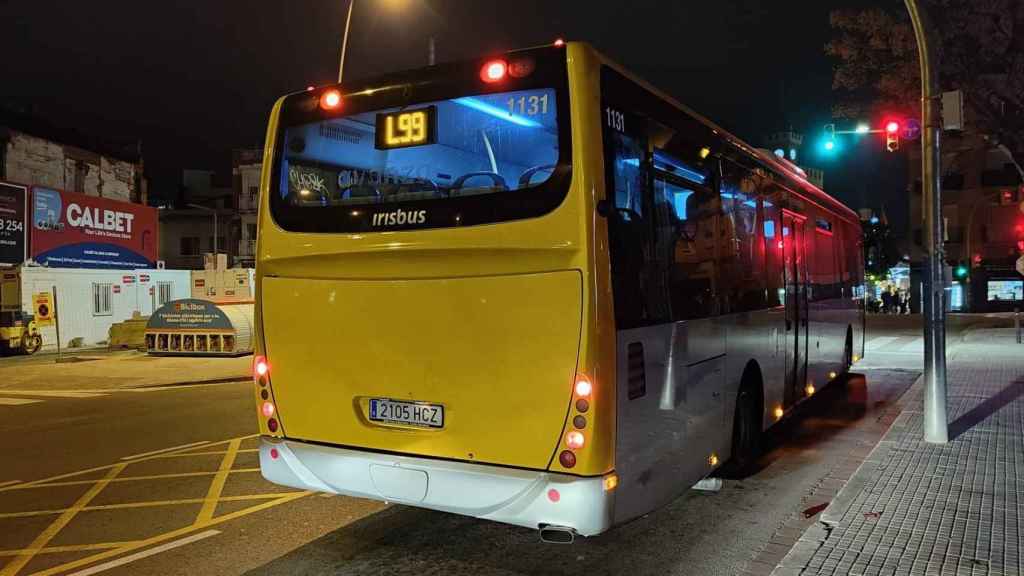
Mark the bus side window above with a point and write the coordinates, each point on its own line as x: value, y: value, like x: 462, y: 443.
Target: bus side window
x: 628, y: 236
x: 743, y: 257
x: 688, y: 228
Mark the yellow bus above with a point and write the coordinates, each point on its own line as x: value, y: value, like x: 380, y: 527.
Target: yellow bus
x: 533, y: 289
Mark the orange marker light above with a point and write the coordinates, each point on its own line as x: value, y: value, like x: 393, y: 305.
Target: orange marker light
x: 610, y: 482
x: 330, y: 100
x: 494, y: 71
x: 574, y: 440
x: 779, y: 412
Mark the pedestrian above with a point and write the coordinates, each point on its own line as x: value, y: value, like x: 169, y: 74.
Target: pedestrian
x: 886, y: 301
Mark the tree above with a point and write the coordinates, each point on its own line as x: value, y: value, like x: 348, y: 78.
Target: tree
x: 981, y: 47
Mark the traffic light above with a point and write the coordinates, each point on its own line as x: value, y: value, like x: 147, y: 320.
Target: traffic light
x: 892, y: 136
x: 961, y: 271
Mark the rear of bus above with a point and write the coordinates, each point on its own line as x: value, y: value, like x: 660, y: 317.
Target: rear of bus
x: 428, y: 327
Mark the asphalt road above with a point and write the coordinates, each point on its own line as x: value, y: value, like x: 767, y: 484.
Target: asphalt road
x: 165, y: 482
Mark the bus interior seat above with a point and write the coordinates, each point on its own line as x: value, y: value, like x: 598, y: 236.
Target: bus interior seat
x: 459, y: 187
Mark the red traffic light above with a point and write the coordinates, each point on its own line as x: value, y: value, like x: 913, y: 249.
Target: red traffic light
x: 892, y: 127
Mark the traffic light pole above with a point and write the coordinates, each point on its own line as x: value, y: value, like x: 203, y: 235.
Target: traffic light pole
x: 936, y: 428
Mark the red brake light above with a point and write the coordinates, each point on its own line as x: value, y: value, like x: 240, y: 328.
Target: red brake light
x: 559, y: 43
x: 494, y: 71
x: 330, y: 100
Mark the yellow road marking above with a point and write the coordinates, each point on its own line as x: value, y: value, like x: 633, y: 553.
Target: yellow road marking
x: 167, y: 536
x: 46, y: 535
x: 50, y: 480
x: 217, y: 485
x: 215, y: 453
x: 72, y: 548
x: 147, y: 504
x: 165, y: 450
x: 132, y: 478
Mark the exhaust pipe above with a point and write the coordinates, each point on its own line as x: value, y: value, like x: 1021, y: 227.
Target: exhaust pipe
x: 557, y: 534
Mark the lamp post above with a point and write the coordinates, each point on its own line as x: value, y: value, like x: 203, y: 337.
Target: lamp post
x: 936, y: 427
x: 344, y: 39
x: 214, y: 211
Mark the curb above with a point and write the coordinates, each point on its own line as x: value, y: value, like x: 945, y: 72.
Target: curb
x: 842, y: 480
x: 225, y: 380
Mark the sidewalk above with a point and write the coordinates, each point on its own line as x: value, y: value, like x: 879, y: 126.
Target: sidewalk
x: 918, y: 508
x: 101, y: 370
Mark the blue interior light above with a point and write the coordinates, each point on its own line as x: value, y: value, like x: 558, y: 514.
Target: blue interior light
x: 492, y: 110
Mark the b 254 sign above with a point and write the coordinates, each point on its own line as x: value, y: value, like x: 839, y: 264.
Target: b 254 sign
x: 12, y: 224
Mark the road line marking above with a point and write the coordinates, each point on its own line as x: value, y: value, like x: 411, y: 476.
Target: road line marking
x: 130, y: 478
x: 50, y: 480
x: 17, y: 401
x: 147, y: 504
x: 145, y: 553
x: 216, y: 453
x: 162, y: 451
x: 46, y: 535
x: 10, y: 482
x: 167, y: 536
x: 217, y: 485
x: 54, y: 393
x: 71, y: 548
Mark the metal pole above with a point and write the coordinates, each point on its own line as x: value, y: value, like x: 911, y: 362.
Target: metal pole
x: 1016, y: 323
x: 344, y: 40
x: 56, y: 321
x: 430, y: 51
x: 936, y: 427
x: 215, y: 251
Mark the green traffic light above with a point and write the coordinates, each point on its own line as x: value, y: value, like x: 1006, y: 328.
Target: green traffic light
x: 961, y: 271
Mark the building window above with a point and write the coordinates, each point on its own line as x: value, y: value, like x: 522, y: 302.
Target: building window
x: 102, y: 294
x: 163, y: 293
x: 221, y: 246
x: 254, y: 191
x: 190, y: 246
x: 250, y: 232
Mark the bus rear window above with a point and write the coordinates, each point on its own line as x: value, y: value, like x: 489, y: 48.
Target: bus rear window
x: 495, y: 147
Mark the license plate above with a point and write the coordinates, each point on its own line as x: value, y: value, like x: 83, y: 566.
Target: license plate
x: 409, y: 413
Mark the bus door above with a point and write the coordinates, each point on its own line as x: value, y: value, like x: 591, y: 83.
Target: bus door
x: 795, y: 246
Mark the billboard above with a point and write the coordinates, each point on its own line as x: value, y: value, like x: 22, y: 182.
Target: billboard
x: 78, y: 231
x: 12, y: 224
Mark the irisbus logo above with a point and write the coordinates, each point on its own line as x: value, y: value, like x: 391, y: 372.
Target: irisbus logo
x: 399, y: 217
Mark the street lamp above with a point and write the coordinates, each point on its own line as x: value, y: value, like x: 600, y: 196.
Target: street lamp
x: 862, y: 128
x: 936, y: 426
x: 348, y: 24
x: 214, y: 211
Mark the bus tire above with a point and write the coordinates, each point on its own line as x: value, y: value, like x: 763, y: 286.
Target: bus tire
x: 746, y: 429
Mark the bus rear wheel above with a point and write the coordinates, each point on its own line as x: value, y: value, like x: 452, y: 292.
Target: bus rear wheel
x: 746, y: 433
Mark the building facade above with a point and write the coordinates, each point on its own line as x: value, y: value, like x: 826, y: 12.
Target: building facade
x: 246, y: 166
x: 205, y: 222
x: 34, y: 160
x: 983, y: 218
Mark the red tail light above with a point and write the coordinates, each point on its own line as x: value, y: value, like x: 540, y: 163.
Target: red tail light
x: 330, y: 100
x: 494, y: 71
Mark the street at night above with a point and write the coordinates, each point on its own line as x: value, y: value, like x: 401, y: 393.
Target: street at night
x: 456, y: 287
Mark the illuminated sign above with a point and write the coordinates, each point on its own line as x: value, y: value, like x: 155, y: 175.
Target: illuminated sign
x: 406, y: 128
x: 12, y: 224
x: 77, y: 231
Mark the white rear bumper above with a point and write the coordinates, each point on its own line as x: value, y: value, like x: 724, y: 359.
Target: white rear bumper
x: 513, y: 496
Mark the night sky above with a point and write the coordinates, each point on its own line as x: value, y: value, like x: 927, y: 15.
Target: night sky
x: 194, y: 79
